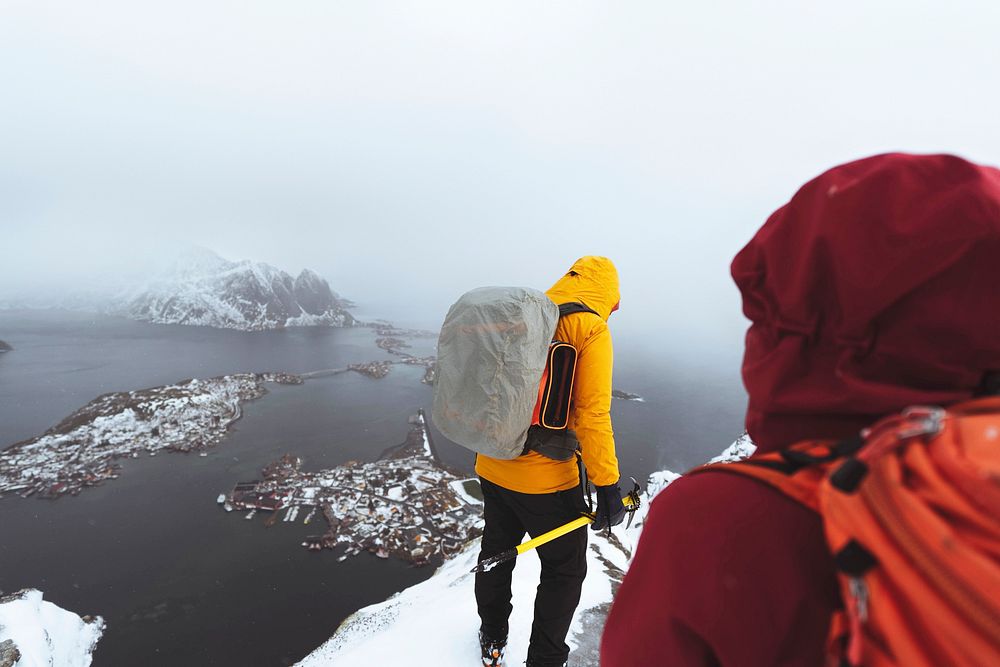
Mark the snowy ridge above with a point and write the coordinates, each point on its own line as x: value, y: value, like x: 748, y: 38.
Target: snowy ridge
x: 742, y: 449
x: 35, y: 633
x: 439, y: 615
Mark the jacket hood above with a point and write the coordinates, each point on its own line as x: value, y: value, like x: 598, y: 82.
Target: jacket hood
x: 874, y: 288
x: 592, y: 281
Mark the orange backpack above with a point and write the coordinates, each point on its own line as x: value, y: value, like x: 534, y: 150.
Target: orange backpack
x: 911, y: 510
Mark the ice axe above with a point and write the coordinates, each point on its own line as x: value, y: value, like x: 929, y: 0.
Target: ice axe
x: 631, y: 502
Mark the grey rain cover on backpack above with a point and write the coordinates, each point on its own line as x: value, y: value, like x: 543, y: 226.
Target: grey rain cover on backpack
x: 490, y: 359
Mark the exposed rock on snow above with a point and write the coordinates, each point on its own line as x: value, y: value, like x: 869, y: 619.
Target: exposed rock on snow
x: 5, y: 347
x: 81, y: 450
x: 9, y: 655
x: 376, y: 634
x: 207, y: 290
x: 35, y: 633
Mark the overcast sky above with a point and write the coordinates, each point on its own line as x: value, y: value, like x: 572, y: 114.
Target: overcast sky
x: 409, y: 151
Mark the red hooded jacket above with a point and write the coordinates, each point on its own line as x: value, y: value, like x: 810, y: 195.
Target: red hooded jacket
x: 876, y: 287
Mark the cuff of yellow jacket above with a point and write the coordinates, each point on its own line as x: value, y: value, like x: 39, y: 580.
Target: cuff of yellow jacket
x: 603, y: 478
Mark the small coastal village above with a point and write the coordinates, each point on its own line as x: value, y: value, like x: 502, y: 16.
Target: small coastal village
x: 405, y: 505
x: 83, y: 449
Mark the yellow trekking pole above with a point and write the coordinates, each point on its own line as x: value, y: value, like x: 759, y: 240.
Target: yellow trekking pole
x: 631, y: 502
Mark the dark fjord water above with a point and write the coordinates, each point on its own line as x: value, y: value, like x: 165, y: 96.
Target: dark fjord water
x: 179, y: 580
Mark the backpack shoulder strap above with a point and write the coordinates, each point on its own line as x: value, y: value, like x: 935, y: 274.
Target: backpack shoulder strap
x: 575, y: 307
x: 796, y: 471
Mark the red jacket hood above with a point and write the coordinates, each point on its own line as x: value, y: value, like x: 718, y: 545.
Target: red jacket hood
x: 876, y: 287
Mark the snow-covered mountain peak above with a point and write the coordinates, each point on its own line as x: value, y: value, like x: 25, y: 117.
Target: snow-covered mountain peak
x: 204, y: 289
x: 309, y: 277
x: 191, y: 261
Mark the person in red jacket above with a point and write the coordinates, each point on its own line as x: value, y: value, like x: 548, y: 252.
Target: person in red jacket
x: 875, y: 288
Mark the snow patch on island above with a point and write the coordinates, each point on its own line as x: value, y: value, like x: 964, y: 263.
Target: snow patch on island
x: 83, y: 449
x: 36, y: 633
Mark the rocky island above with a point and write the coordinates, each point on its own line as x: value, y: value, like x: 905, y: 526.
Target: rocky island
x: 626, y: 396
x: 82, y: 450
x: 391, y: 340
x: 406, y: 504
x: 5, y: 347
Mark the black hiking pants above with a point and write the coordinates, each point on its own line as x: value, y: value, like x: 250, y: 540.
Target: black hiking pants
x: 509, y: 515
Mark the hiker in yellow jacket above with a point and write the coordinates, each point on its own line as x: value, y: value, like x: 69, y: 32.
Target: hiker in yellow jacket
x: 533, y: 494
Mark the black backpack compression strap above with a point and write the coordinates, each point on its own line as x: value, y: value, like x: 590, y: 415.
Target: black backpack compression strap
x: 575, y: 307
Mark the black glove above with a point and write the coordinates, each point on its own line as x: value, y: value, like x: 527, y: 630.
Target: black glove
x: 610, y: 508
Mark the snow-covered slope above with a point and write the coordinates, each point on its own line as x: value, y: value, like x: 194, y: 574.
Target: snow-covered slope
x: 743, y: 448
x: 35, y: 633
x: 438, y: 617
x: 200, y: 288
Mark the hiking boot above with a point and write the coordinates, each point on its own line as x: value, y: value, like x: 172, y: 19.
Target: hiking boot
x: 493, y: 650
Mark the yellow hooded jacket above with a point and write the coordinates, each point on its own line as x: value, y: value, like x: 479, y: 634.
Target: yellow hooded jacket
x: 592, y: 281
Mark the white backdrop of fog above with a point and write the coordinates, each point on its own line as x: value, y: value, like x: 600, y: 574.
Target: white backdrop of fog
x: 409, y: 151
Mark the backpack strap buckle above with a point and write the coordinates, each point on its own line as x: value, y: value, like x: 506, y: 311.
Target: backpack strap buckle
x: 922, y: 420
